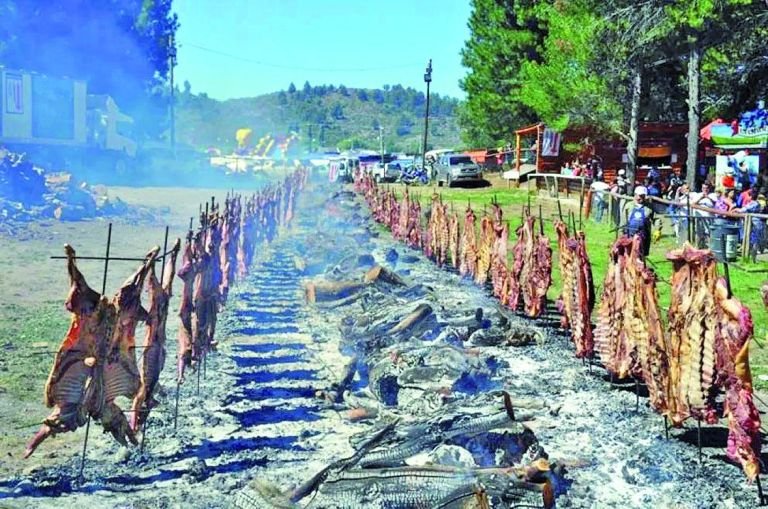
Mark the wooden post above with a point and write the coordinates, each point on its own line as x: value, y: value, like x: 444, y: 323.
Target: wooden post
x: 747, y: 233
x: 581, y: 204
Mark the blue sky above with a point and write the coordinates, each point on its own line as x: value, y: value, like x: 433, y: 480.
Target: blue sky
x: 242, y: 48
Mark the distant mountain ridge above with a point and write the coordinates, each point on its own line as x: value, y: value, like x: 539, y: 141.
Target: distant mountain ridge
x: 336, y: 116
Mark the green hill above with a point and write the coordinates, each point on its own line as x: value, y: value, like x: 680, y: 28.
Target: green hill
x: 336, y: 117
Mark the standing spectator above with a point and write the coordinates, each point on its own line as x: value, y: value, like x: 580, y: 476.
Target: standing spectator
x: 702, y: 218
x: 744, y: 197
x: 600, y: 199
x: 653, y: 188
x: 639, y: 218
x: 653, y: 173
x: 743, y: 180
x: 758, y: 224
x: 726, y: 201
x: 621, y: 185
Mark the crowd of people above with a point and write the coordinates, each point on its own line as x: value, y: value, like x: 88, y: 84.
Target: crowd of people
x: 736, y: 191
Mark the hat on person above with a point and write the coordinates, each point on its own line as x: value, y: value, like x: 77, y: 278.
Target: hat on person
x: 621, y: 172
x: 641, y: 191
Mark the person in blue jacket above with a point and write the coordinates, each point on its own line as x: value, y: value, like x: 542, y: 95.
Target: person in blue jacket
x: 639, y: 217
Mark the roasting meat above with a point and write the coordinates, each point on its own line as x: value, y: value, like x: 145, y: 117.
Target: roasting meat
x: 188, y: 273
x: 120, y: 374
x: 611, y: 334
x: 69, y: 390
x: 413, y: 236
x: 646, y: 336
x: 532, y: 270
x: 539, y: 278
x: 693, y: 329
x: 227, y: 240
x: 401, y: 232
x: 512, y: 288
x: 485, y: 250
x: 578, y: 297
x: 153, y: 356
x: 566, y: 261
x: 499, y: 254
x: 453, y: 239
x: 468, y: 246
x: 735, y: 329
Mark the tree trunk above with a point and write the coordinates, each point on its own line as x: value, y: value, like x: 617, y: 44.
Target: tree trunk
x: 634, y: 124
x: 694, y: 77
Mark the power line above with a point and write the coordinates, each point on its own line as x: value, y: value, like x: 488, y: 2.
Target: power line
x: 297, y: 68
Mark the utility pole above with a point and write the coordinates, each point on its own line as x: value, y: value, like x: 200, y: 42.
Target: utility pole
x: 381, y: 143
x: 427, y: 80
x: 172, y: 64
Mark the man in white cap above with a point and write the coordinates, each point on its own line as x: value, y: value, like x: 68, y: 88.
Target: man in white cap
x: 639, y: 217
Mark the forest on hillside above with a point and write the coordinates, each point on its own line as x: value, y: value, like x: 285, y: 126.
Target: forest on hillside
x: 324, y: 116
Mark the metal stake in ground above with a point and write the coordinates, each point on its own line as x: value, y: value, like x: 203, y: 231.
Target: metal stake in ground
x: 541, y: 221
x: 103, y: 291
x: 560, y: 210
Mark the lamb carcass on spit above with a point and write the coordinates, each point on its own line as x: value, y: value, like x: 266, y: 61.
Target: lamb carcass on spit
x: 536, y: 275
x: 119, y: 372
x: 69, y: 389
x: 468, y: 246
x: 453, y: 239
x: 187, y: 273
x: 499, y: 252
x: 153, y: 356
x: 734, y: 330
x: 611, y: 332
x: 512, y: 288
x: 578, y: 297
x: 693, y: 324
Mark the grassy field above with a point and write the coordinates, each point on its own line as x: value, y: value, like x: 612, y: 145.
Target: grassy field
x: 745, y: 277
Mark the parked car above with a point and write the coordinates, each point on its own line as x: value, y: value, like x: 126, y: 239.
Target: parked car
x: 452, y: 168
x: 390, y: 172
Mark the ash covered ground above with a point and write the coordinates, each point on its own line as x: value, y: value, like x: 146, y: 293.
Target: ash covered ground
x: 259, y: 420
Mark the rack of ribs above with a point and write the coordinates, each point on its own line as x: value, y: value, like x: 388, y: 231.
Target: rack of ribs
x: 69, y: 389
x: 499, y: 253
x: 453, y: 239
x: 119, y: 372
x: 611, y: 341
x: 187, y: 273
x: 485, y: 250
x: 153, y: 356
x: 692, y: 326
x: 537, y: 273
x: 468, y: 246
x: 734, y: 330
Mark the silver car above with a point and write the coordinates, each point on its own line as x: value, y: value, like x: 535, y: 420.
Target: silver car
x: 452, y: 168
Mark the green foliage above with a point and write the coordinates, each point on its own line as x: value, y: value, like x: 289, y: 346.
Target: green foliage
x: 504, y: 35
x: 568, y: 62
x: 337, y: 116
x: 562, y: 87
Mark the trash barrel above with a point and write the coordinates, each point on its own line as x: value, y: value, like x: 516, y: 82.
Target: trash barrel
x: 724, y: 234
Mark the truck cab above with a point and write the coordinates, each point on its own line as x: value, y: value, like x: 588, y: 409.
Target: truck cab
x: 452, y: 168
